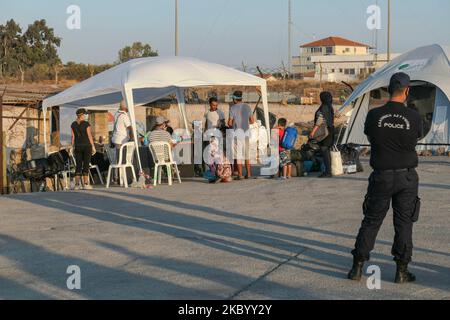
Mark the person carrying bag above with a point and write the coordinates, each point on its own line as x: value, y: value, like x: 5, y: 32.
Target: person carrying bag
x: 323, y: 131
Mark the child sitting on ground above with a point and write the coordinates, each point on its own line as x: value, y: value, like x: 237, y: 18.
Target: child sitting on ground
x: 219, y: 167
x: 285, y: 155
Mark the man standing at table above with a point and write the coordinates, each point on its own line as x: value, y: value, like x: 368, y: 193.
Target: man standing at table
x: 241, y: 117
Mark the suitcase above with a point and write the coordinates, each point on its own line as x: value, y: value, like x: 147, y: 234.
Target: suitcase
x: 298, y: 168
x: 187, y: 170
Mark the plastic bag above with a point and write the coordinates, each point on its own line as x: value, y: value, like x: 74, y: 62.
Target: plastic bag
x: 336, y: 162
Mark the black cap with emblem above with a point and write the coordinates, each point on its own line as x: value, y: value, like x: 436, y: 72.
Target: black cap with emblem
x: 399, y: 81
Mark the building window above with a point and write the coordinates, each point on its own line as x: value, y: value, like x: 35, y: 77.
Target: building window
x: 332, y: 70
x: 329, y: 50
x: 347, y: 49
x: 349, y: 71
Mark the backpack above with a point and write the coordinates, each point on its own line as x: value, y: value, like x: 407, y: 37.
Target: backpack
x: 289, y: 138
x: 56, y: 163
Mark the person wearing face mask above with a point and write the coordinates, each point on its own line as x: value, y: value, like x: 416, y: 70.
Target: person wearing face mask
x: 83, y: 149
x: 393, y: 131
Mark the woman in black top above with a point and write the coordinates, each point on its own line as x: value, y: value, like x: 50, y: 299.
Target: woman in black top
x: 83, y: 145
x: 325, y: 116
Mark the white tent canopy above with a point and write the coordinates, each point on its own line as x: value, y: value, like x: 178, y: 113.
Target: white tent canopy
x: 429, y: 65
x: 145, y: 80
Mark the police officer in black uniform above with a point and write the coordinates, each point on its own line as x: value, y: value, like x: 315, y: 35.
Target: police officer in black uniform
x: 393, y: 131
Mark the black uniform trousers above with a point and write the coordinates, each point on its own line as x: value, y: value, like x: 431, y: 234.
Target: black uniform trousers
x: 400, y: 187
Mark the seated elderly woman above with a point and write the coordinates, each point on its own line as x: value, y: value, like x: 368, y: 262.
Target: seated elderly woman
x: 160, y: 134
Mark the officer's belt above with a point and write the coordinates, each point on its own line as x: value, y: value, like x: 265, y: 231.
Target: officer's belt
x: 395, y: 170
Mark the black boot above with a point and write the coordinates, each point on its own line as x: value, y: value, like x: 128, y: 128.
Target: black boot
x: 403, y: 275
x: 357, y: 270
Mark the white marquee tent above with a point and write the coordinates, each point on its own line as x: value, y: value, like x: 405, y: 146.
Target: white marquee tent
x: 429, y: 69
x: 141, y: 81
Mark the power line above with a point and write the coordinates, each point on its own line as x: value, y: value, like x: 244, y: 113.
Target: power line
x: 213, y: 26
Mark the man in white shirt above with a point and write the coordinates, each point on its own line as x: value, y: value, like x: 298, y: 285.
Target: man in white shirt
x: 241, y: 117
x: 214, y: 118
x: 123, y: 131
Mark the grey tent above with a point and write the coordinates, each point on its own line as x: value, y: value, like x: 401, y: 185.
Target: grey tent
x: 429, y: 69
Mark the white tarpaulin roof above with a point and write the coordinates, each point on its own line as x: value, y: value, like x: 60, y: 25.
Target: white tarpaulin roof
x: 150, y: 79
x: 429, y: 64
x: 144, y: 80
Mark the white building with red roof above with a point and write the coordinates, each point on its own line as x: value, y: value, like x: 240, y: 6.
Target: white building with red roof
x: 337, y: 59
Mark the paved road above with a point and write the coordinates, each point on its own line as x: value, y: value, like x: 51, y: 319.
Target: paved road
x: 260, y: 239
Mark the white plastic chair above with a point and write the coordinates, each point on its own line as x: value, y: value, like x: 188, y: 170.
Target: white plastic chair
x: 69, y: 169
x: 130, y: 147
x: 162, y: 156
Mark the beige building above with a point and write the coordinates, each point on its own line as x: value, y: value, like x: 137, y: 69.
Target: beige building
x: 348, y: 68
x: 331, y: 46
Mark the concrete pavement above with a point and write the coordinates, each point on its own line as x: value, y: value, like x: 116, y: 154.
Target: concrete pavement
x: 258, y: 239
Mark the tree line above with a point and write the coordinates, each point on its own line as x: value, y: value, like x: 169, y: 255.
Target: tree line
x: 32, y: 55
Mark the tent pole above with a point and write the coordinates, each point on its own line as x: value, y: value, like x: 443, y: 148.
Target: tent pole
x: 45, y: 131
x: 266, y: 109
x: 130, y: 104
x: 182, y: 108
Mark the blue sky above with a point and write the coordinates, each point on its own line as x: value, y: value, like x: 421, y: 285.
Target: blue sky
x: 228, y: 31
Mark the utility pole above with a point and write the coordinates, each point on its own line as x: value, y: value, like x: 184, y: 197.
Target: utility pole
x: 389, y: 32
x: 2, y: 156
x: 376, y: 42
x: 177, y: 40
x: 290, y: 37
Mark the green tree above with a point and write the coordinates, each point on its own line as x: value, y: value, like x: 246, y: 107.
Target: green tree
x: 42, y: 45
x: 19, y: 52
x: 80, y: 71
x: 10, y: 41
x: 136, y: 50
